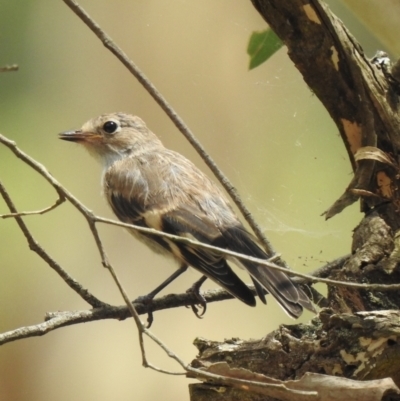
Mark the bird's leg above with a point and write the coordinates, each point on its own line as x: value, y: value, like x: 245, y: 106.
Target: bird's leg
x: 166, y: 282
x: 195, y: 290
x: 148, y: 299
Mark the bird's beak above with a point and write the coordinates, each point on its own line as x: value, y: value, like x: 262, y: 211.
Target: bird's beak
x: 79, y: 136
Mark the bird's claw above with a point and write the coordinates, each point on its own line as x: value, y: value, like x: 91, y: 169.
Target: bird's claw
x: 150, y: 319
x: 147, y: 302
x: 199, y: 308
x: 195, y: 309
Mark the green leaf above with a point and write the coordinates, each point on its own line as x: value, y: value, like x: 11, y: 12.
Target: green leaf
x: 262, y: 45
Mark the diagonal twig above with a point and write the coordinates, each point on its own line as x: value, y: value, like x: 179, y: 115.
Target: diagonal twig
x: 92, y: 219
x: 175, y: 118
x: 34, y: 246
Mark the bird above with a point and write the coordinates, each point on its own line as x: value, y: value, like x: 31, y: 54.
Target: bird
x: 151, y: 186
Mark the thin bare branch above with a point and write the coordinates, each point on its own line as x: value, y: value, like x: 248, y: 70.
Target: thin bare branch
x: 307, y: 278
x: 175, y: 118
x: 34, y: 246
x: 170, y: 353
x: 38, y: 167
x: 140, y: 326
x: 56, y: 320
x: 57, y: 203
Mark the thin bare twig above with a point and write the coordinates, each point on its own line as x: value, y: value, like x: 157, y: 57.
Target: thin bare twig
x: 306, y: 278
x: 34, y: 246
x: 140, y: 326
x: 57, y: 203
x: 56, y: 320
x: 61, y: 191
x: 175, y: 118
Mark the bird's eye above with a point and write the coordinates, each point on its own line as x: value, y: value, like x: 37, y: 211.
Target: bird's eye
x: 110, y: 127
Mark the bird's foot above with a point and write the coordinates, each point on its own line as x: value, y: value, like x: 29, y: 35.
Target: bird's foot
x: 199, y: 309
x: 147, y: 301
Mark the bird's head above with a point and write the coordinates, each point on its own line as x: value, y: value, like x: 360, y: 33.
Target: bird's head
x: 111, y: 137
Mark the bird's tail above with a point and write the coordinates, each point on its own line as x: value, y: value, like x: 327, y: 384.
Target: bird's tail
x: 289, y: 295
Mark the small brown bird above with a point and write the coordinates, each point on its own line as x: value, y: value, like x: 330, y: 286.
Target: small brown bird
x: 151, y: 186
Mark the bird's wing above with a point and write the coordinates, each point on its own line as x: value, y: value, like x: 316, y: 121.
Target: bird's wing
x: 167, y: 192
x: 146, y: 198
x: 187, y: 223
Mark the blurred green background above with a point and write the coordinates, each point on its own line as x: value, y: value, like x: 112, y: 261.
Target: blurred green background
x: 264, y: 128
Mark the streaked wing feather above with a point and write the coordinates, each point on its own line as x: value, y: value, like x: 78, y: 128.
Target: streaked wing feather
x: 261, y: 291
x: 126, y: 210
x: 212, y: 264
x: 131, y: 212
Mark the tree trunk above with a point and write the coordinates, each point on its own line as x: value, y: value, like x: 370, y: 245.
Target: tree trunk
x: 357, y: 337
